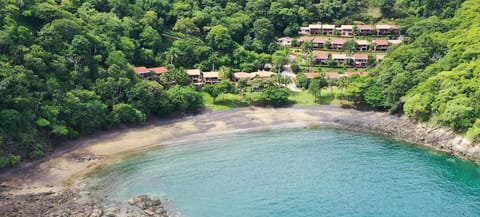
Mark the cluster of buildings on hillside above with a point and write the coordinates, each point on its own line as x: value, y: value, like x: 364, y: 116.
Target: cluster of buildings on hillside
x: 359, y: 60
x: 338, y: 43
x: 199, y: 78
x: 350, y: 30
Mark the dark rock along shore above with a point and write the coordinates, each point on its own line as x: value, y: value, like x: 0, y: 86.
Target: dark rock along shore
x: 68, y: 203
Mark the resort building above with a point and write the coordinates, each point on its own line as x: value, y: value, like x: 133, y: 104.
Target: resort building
x: 361, y: 60
x: 383, y: 29
x: 195, y: 77
x: 159, y: 70
x: 262, y: 74
x: 315, y: 29
x: 311, y: 75
x: 211, y: 77
x: 145, y: 72
x: 337, y: 43
x: 346, y: 30
x: 319, y: 42
x: 244, y: 75
x: 381, y: 45
x: 366, y: 29
x: 142, y: 71
x: 328, y: 29
x: 304, y: 31
x: 241, y: 75
x: 362, y: 45
x: 285, y: 41
x: 340, y: 58
x: 321, y: 58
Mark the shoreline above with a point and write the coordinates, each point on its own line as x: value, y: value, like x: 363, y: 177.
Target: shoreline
x: 62, y: 172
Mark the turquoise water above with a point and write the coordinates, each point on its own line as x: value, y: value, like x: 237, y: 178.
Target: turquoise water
x: 318, y: 172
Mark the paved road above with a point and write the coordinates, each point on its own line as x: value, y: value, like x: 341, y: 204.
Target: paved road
x: 287, y: 73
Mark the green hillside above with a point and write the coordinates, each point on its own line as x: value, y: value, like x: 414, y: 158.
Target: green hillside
x: 434, y: 78
x: 66, y: 66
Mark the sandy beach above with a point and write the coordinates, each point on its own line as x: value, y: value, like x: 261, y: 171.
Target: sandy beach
x: 64, y: 168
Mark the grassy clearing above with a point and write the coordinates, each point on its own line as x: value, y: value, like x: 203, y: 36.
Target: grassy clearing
x: 302, y: 98
x: 328, y: 97
x: 225, y: 101
x: 229, y: 101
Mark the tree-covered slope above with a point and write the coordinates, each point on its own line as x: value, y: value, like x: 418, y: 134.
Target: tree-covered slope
x: 436, y: 77
x: 66, y: 65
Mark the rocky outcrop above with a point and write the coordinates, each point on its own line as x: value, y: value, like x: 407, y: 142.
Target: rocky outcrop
x: 150, y: 206
x: 404, y: 129
x: 68, y: 204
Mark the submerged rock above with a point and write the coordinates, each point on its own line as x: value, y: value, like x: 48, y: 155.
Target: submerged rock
x: 150, y: 206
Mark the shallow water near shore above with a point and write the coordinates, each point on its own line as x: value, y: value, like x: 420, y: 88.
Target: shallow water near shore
x: 310, y: 172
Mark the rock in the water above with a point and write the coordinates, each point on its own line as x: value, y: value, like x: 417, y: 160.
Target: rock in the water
x: 150, y: 206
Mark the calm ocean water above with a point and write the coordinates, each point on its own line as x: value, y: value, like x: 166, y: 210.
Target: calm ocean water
x: 317, y: 172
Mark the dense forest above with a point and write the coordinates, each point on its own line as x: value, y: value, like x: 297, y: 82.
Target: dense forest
x: 434, y: 78
x: 66, y: 66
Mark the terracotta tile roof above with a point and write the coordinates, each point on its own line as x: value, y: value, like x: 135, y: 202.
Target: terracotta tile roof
x: 159, y: 70
x: 141, y: 70
x: 311, y: 75
x: 339, y: 56
x: 381, y: 42
x: 240, y: 75
x: 210, y: 74
x: 395, y: 41
x: 383, y: 26
x: 360, y: 56
x: 193, y: 71
x: 363, y: 42
x: 321, y: 56
x: 365, y: 27
x: 285, y: 38
x: 395, y: 26
x: 263, y: 74
x: 327, y: 26
x: 332, y: 75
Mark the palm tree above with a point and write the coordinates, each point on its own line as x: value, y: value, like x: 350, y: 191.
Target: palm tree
x: 172, y: 54
x: 213, y: 58
x: 342, y: 84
